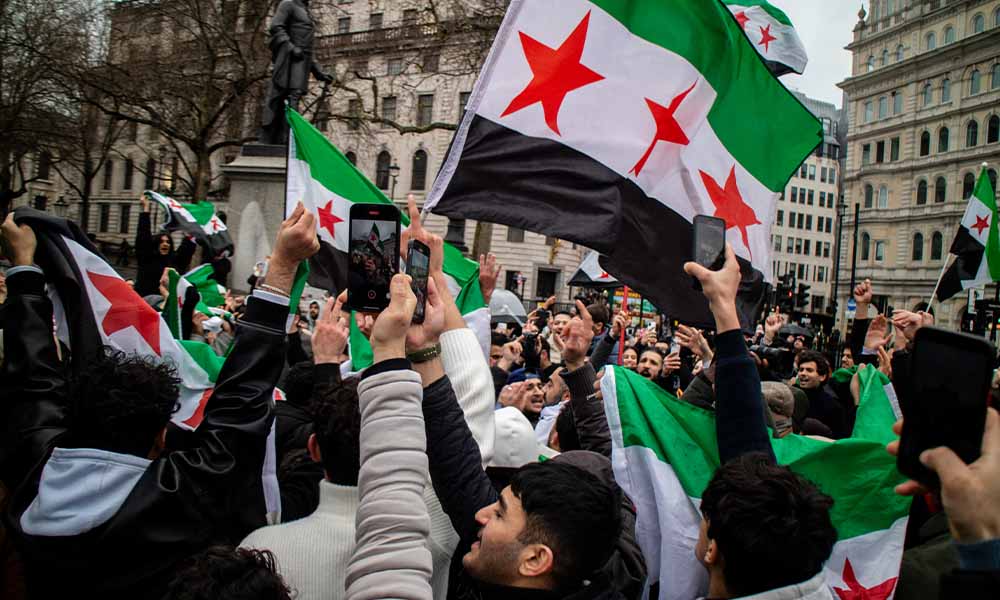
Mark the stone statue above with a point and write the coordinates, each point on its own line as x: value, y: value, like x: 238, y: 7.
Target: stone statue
x: 291, y: 41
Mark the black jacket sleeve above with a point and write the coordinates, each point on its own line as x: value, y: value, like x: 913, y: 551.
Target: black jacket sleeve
x: 455, y: 463
x: 857, y: 342
x: 33, y: 409
x: 739, y: 413
x: 602, y: 351
x: 588, y: 411
x: 184, y: 254
x: 144, y: 239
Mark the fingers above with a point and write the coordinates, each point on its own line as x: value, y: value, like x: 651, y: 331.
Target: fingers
x: 897, y: 427
x: 697, y: 271
x: 584, y: 313
x: 327, y: 316
x: 991, y: 434
x: 411, y: 208
x: 433, y: 298
x: 401, y: 295
x: 948, y: 466
x: 297, y: 213
x: 910, y: 488
x: 731, y: 262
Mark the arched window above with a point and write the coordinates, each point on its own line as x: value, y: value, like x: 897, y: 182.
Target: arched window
x: 978, y: 23
x: 382, y: 163
x: 940, y: 190
x: 922, y: 191
x: 869, y: 196
x: 866, y: 243
x: 949, y: 34
x: 995, y: 77
x: 971, y: 134
x: 352, y: 158
x: 899, y: 53
x: 937, y: 245
x: 918, y: 247
x: 943, y: 140
x: 925, y: 143
x: 968, y: 185
x: 883, y: 107
x: 993, y: 130
x: 883, y: 197
x: 871, y: 64
x: 931, y: 42
x: 44, y: 168
x: 885, y: 57
x: 992, y: 175
x: 975, y: 82
x: 946, y: 90
x: 996, y: 18
x: 418, y: 180
x: 928, y: 94
x: 897, y: 103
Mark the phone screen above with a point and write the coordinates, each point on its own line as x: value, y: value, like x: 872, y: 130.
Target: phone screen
x: 418, y: 262
x: 950, y: 379
x: 709, y: 242
x: 374, y: 256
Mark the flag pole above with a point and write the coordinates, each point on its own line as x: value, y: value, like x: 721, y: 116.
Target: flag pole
x: 621, y: 334
x: 944, y: 268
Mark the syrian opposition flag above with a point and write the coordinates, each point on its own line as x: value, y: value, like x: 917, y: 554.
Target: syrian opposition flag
x: 665, y: 452
x: 327, y: 183
x: 772, y: 35
x: 976, y: 246
x: 197, y: 219
x: 591, y: 274
x: 612, y: 123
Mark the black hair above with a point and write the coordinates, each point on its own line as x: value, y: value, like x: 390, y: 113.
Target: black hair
x: 298, y: 384
x: 772, y: 526
x: 225, y: 573
x: 562, y: 312
x: 337, y: 423
x: 574, y: 513
x: 599, y: 313
x: 565, y: 427
x: 124, y: 401
x: 822, y: 364
x: 498, y: 339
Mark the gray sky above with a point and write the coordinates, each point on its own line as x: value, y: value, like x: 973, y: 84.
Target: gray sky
x: 825, y: 26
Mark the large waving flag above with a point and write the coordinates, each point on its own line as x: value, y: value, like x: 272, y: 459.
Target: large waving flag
x: 772, y: 34
x: 612, y: 123
x: 197, y: 219
x: 664, y: 454
x: 327, y: 184
x: 977, y: 244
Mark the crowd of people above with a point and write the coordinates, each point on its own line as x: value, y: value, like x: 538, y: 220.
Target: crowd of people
x: 439, y: 471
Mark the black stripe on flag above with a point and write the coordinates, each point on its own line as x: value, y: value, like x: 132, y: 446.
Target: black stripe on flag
x: 969, y: 255
x: 544, y: 186
x: 328, y: 269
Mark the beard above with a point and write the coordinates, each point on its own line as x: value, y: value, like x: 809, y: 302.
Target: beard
x: 493, y: 562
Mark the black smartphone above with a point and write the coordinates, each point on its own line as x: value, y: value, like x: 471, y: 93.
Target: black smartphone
x: 374, y: 256
x: 949, y: 386
x: 418, y: 262
x: 708, y: 247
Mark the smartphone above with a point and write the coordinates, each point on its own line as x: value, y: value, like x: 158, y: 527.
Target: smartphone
x: 418, y: 262
x: 950, y: 383
x: 709, y: 242
x: 373, y: 257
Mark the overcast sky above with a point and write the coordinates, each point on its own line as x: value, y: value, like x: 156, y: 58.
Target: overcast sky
x: 825, y: 26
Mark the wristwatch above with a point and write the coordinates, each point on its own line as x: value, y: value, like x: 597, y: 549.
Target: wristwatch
x: 424, y: 354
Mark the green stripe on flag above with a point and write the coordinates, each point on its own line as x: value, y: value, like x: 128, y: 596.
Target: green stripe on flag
x: 205, y: 356
x: 202, y: 211
x: 171, y: 305
x: 754, y: 113
x: 985, y: 193
x: 202, y: 278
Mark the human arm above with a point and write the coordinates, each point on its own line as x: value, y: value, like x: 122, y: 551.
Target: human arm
x: 602, y: 352
x: 143, y: 233
x: 184, y: 254
x: 489, y: 271
x: 579, y: 376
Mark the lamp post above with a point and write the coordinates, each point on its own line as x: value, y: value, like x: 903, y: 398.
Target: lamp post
x: 394, y: 173
x: 841, y: 209
x: 61, y: 206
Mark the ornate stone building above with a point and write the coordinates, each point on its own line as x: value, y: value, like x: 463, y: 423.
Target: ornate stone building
x: 923, y: 104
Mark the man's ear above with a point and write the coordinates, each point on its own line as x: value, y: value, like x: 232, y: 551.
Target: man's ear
x: 535, y: 560
x: 313, y: 446
x: 712, y: 556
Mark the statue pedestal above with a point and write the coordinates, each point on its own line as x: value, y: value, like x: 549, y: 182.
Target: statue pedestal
x: 256, y: 206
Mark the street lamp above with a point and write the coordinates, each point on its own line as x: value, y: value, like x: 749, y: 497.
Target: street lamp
x: 61, y: 206
x: 841, y: 209
x: 394, y: 173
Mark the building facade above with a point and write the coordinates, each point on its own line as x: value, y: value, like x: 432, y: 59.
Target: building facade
x: 922, y: 102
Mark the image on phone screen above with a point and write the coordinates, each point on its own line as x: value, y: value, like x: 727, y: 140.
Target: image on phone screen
x: 374, y: 259
x: 417, y: 267
x: 709, y: 241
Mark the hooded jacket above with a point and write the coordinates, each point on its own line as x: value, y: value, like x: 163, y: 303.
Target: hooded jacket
x: 116, y: 525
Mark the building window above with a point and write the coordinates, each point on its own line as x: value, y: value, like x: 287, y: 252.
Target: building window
x: 943, y: 140
x: 897, y: 103
x: 869, y: 113
x: 359, y: 65
x: 802, y: 195
x: 791, y: 242
x: 811, y: 197
x: 432, y: 62
x: 866, y: 155
x: 870, y: 65
x: 978, y: 24
x: 971, y: 134
x: 546, y: 283
x: 511, y: 281
x: 389, y: 108
x: 104, y: 218
x: 922, y: 192
x: 995, y: 77
x: 124, y: 217
x: 946, y: 90
x: 949, y: 35
x: 885, y: 57
x: 800, y: 221
x: 996, y: 18
x: 777, y: 243
x: 879, y: 251
x: 883, y: 197
x: 937, y: 245
x: 894, y: 149
x: 515, y: 235
x: 382, y: 163
x: 780, y: 219
x: 409, y: 16
x: 993, y: 130
x: 822, y: 199
x: 991, y: 174
x: 791, y: 220
x: 354, y: 113
x: 812, y: 172
x: 822, y: 175
x: 129, y: 173
x: 109, y: 174
x: 928, y: 96
x: 803, y: 171
x: 883, y: 107
x: 425, y: 110
x: 829, y: 224
x: 918, y: 247
x: 798, y: 245
x: 931, y: 41
x: 394, y: 66
x: 150, y: 173
x: 833, y: 174
x: 352, y: 158
x: 925, y: 143
x: 375, y: 21
x: 806, y: 247
x: 899, y: 53
x: 802, y: 271
x: 418, y: 180
x: 940, y: 189
x: 344, y: 25
x: 968, y: 185
x: 463, y: 102
x: 975, y: 82
x: 809, y: 222
x: 133, y: 132
x: 44, y: 164
x: 869, y: 196
x: 866, y: 242
x: 880, y: 152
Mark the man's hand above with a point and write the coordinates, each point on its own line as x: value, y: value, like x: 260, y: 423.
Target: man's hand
x: 692, y: 339
x: 878, y: 333
x: 511, y: 354
x: 198, y: 322
x: 620, y: 323
x: 720, y: 287
x: 909, y: 322
x: 671, y: 363
x: 863, y: 298
x: 970, y: 493
x: 429, y: 332
x: 165, y: 282
x: 330, y: 336
x: 390, y: 328
x: 144, y: 202
x: 510, y: 395
x: 576, y: 338
x: 489, y: 270
x: 296, y: 242
x: 21, y: 242
x: 772, y: 325
x: 885, y: 361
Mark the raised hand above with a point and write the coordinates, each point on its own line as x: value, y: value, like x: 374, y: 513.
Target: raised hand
x: 511, y: 355
x: 772, y: 325
x: 329, y: 339
x: 20, y: 240
x: 878, y: 333
x: 692, y: 339
x: 720, y: 287
x: 489, y: 271
x: 390, y: 329
x: 863, y: 298
x: 428, y: 333
x: 671, y: 363
x: 296, y: 241
x: 576, y: 338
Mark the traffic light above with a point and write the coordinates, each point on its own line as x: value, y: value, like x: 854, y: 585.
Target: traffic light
x: 785, y: 291
x: 802, y: 298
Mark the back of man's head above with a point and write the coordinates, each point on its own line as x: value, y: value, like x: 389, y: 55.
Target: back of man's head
x: 574, y: 513
x: 298, y: 384
x: 125, y: 401
x: 599, y: 313
x: 772, y: 526
x: 224, y: 573
x: 337, y: 423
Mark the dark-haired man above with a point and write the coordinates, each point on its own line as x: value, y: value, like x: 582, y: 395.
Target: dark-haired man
x: 103, y: 505
x: 814, y: 371
x: 224, y: 573
x: 650, y: 364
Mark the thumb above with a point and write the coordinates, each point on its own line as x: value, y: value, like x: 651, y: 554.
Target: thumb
x: 991, y: 435
x: 401, y: 296
x: 945, y: 463
x: 695, y: 270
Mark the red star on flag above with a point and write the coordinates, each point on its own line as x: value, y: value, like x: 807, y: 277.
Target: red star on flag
x: 981, y: 224
x: 216, y: 223
x: 766, y: 37
x: 127, y: 310
x: 667, y: 128
x: 327, y: 219
x: 742, y: 18
x: 555, y: 73
x: 729, y: 204
x: 856, y: 591
x: 604, y: 275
